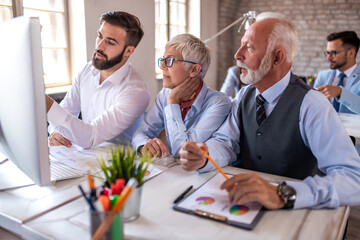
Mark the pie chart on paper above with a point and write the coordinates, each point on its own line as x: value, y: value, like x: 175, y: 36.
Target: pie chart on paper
x: 205, y: 200
x: 239, y: 210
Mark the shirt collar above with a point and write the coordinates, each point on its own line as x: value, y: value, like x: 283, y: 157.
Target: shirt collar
x: 115, y: 77
x: 275, y: 90
x: 192, y: 101
x: 348, y: 72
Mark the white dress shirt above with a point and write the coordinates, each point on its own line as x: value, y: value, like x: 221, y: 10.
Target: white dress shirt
x: 109, y: 111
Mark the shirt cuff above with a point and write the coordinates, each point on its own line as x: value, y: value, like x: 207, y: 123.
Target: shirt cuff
x: 303, y: 194
x: 56, y: 115
x: 207, y: 168
x: 339, y: 98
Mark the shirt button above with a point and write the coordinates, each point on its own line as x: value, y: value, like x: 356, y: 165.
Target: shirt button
x: 258, y: 157
x: 259, y: 133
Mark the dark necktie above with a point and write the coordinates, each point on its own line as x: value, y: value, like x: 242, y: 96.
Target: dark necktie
x: 260, y: 110
x: 336, y: 104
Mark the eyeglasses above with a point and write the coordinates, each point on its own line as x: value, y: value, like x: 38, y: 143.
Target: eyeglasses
x: 169, y: 61
x: 333, y: 53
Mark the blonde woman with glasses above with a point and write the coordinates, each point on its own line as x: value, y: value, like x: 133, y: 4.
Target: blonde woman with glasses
x: 185, y: 108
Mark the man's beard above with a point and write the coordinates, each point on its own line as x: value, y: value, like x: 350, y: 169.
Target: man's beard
x: 337, y: 65
x: 254, y: 76
x: 106, y: 64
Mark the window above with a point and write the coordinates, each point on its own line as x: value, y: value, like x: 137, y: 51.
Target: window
x: 5, y: 10
x: 171, y: 18
x: 54, y: 34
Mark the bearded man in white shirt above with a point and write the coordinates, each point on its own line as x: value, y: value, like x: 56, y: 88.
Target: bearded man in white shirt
x: 108, y: 92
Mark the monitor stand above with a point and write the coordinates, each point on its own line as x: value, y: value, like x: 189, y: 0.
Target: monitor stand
x: 11, y: 176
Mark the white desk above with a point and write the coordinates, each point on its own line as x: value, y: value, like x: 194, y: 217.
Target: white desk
x: 157, y: 219
x: 351, y: 123
x: 21, y: 205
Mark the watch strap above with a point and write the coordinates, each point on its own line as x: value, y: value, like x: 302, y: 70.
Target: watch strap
x: 287, y: 194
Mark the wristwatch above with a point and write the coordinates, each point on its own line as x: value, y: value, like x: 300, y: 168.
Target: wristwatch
x: 287, y: 194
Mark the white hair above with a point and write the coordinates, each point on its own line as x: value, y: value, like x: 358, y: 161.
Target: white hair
x: 192, y: 49
x: 267, y: 15
x: 284, y: 34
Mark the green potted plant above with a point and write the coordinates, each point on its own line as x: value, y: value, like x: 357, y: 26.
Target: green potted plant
x: 124, y: 163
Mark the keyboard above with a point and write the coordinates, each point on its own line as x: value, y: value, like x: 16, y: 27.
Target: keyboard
x: 60, y: 171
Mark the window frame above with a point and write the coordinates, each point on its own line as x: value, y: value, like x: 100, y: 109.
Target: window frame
x: 17, y: 8
x: 158, y: 71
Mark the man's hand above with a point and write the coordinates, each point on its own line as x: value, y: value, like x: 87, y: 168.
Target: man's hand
x: 245, y: 188
x: 49, y: 103
x: 184, y: 91
x: 155, y: 147
x: 191, y: 156
x: 56, y: 139
x: 330, y: 91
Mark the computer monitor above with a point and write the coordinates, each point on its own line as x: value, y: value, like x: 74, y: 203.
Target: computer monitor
x: 23, y: 125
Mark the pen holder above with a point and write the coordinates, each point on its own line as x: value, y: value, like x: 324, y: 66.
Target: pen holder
x: 131, y: 210
x: 115, y: 231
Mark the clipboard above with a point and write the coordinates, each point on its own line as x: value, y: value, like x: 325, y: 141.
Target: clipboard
x: 210, y: 202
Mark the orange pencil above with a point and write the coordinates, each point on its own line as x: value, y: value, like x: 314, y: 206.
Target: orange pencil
x: 93, y: 196
x: 91, y: 181
x: 214, y: 163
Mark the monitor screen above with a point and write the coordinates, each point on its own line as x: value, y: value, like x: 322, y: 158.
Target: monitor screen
x: 23, y: 126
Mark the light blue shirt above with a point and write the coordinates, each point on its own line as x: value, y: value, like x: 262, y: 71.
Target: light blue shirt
x: 206, y: 115
x: 322, y: 132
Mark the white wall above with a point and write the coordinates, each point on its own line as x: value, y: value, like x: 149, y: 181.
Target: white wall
x: 77, y: 33
x: 144, y: 55
x: 209, y: 18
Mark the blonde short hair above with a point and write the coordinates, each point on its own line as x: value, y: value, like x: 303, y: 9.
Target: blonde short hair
x: 192, y: 49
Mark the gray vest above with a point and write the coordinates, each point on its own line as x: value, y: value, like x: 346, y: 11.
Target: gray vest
x: 276, y: 145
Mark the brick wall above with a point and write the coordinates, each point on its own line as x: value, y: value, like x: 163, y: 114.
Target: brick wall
x: 226, y: 42
x: 314, y: 19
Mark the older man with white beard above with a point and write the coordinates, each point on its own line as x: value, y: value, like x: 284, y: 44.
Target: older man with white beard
x: 278, y: 125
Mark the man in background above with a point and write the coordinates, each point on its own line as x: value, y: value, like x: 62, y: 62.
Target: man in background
x: 232, y: 83
x: 341, y: 83
x: 278, y: 125
x: 108, y: 92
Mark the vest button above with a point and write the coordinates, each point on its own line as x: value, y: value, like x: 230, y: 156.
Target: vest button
x: 258, y: 157
x: 259, y: 133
